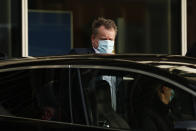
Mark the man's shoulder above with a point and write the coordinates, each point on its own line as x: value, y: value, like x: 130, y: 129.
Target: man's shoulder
x: 82, y: 51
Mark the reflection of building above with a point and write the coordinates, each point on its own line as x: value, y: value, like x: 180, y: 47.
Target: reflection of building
x: 144, y: 26
x: 10, y: 27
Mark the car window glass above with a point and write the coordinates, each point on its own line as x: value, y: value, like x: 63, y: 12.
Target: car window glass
x: 128, y: 100
x: 106, y: 97
x: 16, y: 93
x: 159, y: 103
x: 38, y: 93
x: 184, y: 104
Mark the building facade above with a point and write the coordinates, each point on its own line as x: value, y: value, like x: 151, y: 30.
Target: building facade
x: 48, y: 27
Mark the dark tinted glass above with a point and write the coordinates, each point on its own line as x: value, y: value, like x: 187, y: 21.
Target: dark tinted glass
x: 16, y: 94
x: 144, y: 26
x: 39, y: 93
x: 106, y: 94
x: 123, y: 100
x: 10, y: 28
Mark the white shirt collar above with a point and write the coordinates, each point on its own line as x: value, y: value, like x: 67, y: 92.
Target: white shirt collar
x: 96, y: 51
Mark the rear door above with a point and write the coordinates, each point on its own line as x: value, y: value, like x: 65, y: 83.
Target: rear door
x: 132, y: 91
x: 32, y: 96
x: 47, y: 97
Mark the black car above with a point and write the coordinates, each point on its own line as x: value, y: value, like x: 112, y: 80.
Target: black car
x: 96, y: 92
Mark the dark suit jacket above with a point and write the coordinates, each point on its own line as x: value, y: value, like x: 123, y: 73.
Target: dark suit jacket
x: 92, y: 51
x: 82, y: 51
x: 87, y: 51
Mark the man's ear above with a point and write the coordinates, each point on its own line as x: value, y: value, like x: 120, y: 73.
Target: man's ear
x: 93, y: 41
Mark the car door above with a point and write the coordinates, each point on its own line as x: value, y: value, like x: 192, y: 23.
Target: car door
x: 79, y: 102
x: 106, y: 103
x: 130, y: 94
x: 45, y: 97
x: 34, y: 98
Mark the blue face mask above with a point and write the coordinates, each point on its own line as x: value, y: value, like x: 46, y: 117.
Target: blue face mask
x: 105, y: 46
x: 172, y: 95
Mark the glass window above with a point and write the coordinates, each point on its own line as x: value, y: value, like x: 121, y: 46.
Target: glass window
x: 40, y: 94
x: 184, y: 105
x: 10, y: 28
x: 106, y: 94
x: 144, y: 26
x: 118, y: 99
x: 155, y: 102
x: 47, y: 28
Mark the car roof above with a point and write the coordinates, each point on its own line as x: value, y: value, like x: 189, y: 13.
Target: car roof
x: 164, y: 61
x: 148, y: 62
x: 151, y: 59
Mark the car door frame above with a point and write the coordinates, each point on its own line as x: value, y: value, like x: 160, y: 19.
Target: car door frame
x: 29, y: 121
x: 186, y: 125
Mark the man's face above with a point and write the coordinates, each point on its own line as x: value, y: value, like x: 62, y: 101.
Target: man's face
x: 166, y: 94
x: 103, y: 34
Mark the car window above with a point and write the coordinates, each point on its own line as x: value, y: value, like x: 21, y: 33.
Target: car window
x: 38, y: 93
x: 124, y: 100
x: 106, y: 97
x: 161, y: 102
x: 184, y: 104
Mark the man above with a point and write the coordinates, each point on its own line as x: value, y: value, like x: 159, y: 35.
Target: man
x: 102, y: 38
x: 155, y: 112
